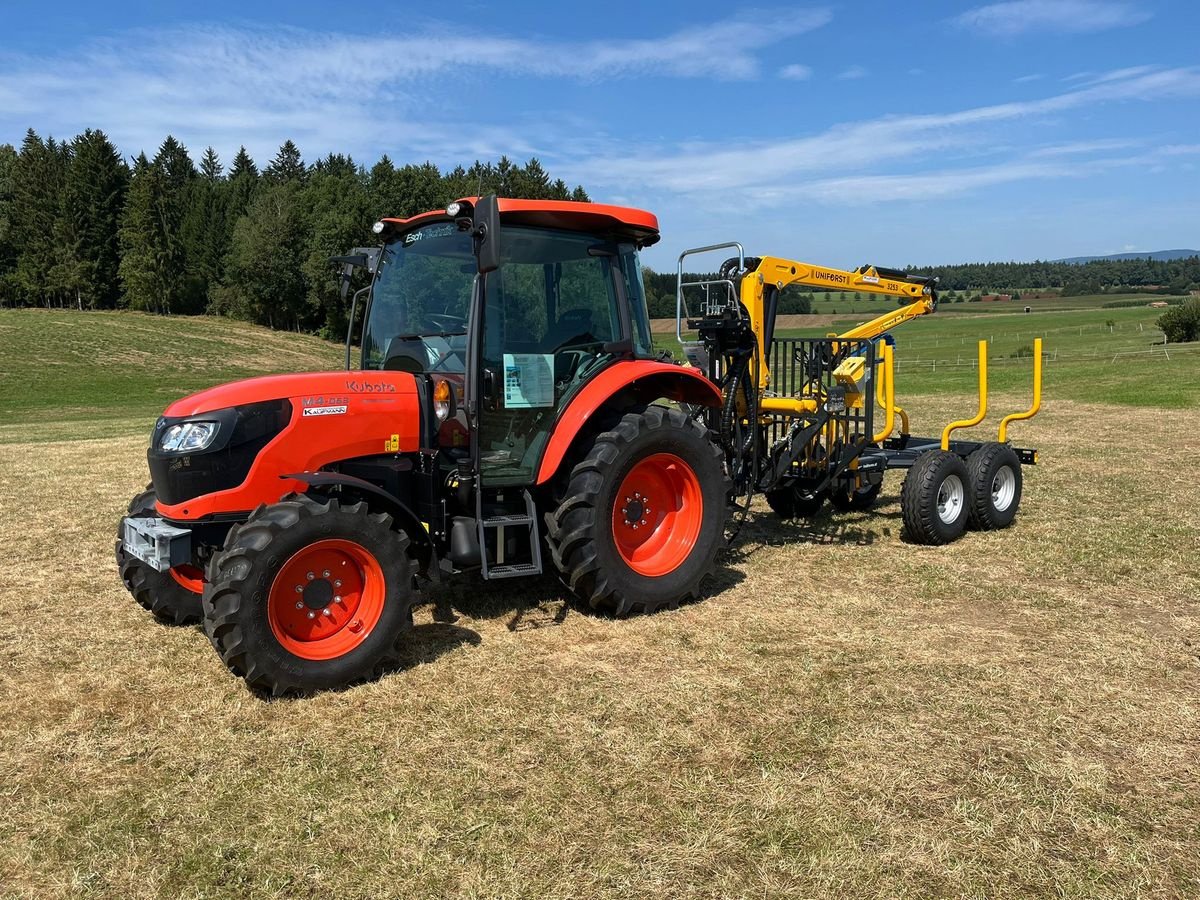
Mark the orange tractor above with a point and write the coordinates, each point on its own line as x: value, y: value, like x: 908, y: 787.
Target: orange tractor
x: 510, y: 407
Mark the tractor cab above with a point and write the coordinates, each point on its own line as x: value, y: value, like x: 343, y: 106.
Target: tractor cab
x: 564, y: 300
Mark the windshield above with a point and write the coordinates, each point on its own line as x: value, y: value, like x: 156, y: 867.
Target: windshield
x: 420, y: 301
x: 555, y: 291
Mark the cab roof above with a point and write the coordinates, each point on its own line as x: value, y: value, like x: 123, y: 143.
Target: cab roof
x: 597, y: 218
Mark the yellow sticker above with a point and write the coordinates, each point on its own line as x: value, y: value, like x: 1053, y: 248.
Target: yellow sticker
x: 392, y: 444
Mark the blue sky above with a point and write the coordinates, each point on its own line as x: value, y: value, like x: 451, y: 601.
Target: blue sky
x: 840, y: 133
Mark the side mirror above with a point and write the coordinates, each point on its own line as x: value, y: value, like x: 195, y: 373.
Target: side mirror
x: 486, y: 232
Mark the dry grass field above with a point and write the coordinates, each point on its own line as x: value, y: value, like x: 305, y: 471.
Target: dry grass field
x: 1015, y: 715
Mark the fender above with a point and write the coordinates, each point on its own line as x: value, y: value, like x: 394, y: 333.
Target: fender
x: 413, y: 526
x: 649, y: 380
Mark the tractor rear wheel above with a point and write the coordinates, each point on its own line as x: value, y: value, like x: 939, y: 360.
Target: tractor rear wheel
x: 793, y: 502
x: 173, y: 596
x: 994, y: 473
x: 309, y: 595
x: 643, y: 514
x: 935, y: 498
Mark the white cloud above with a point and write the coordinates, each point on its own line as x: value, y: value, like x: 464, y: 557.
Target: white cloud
x: 1025, y: 79
x: 852, y: 72
x: 1015, y: 17
x: 700, y: 169
x: 226, y: 86
x: 795, y: 72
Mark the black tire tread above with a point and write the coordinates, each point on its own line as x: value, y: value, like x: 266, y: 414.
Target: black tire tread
x: 569, y: 525
x: 980, y: 513
x: 229, y: 569
x: 918, y: 498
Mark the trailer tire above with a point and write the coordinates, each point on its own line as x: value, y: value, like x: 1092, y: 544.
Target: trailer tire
x: 281, y: 565
x: 994, y: 474
x: 172, y: 596
x: 791, y: 502
x: 855, y: 499
x: 643, y: 515
x: 935, y: 498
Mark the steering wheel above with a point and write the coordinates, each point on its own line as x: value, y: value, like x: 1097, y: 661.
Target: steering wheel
x: 446, y: 322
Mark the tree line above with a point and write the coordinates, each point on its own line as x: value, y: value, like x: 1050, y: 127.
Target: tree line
x: 82, y: 228
x: 1176, y: 276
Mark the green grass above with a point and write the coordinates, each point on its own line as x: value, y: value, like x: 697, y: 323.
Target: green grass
x: 843, y: 715
x: 92, y: 373
x: 1085, y: 359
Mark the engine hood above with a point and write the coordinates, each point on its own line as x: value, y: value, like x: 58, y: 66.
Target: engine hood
x: 321, y: 388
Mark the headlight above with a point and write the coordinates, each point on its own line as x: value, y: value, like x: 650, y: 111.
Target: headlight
x: 188, y: 437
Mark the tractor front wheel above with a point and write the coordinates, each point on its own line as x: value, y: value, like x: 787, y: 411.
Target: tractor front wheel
x: 643, y: 516
x: 173, y: 596
x: 309, y: 596
x: 935, y: 498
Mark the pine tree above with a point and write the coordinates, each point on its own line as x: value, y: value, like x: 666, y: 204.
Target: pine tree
x: 205, y: 231
x: 8, y: 249
x: 286, y: 166
x: 93, y: 198
x: 36, y: 211
x: 178, y: 249
x: 580, y: 195
x: 140, y: 238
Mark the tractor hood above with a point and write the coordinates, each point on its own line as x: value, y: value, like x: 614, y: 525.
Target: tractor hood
x: 307, y: 390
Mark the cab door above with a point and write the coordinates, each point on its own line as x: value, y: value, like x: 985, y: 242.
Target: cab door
x: 552, y: 315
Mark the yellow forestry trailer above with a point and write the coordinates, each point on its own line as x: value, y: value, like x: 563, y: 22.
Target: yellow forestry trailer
x: 805, y: 420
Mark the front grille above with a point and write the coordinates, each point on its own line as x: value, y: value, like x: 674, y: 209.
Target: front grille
x: 182, y: 477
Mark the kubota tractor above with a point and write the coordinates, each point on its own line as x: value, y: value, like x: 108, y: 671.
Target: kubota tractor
x: 509, y: 406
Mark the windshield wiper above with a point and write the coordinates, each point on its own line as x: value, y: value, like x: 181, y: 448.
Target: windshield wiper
x: 428, y: 334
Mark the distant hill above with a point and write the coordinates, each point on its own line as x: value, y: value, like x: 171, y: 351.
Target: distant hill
x: 1162, y: 255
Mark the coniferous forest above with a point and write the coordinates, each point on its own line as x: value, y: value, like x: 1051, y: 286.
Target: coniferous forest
x: 82, y: 228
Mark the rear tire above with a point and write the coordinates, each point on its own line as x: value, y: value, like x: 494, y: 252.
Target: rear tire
x: 643, y: 515
x: 280, y: 616
x: 935, y: 498
x: 855, y: 500
x: 791, y: 502
x: 174, y: 596
x: 994, y: 474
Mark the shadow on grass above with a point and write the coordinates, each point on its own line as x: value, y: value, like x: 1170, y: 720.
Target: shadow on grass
x: 828, y: 527
x: 523, y: 604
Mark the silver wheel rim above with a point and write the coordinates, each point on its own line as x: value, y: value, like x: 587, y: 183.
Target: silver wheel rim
x: 950, y: 499
x: 1004, y: 488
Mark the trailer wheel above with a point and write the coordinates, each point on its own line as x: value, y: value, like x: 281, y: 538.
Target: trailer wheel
x: 643, y: 514
x: 172, y: 596
x: 935, y: 498
x: 855, y: 499
x: 308, y: 596
x: 994, y: 473
x: 794, y: 502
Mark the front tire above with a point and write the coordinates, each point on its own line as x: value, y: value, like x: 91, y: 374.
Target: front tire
x: 935, y: 498
x: 174, y: 596
x: 643, y: 515
x: 309, y: 596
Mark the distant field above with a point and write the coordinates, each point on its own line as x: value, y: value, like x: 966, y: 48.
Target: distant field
x: 63, y: 371
x: 1085, y: 358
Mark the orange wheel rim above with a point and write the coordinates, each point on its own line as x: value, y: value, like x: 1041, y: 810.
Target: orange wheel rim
x: 190, y: 578
x: 326, y: 599
x: 657, y: 514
